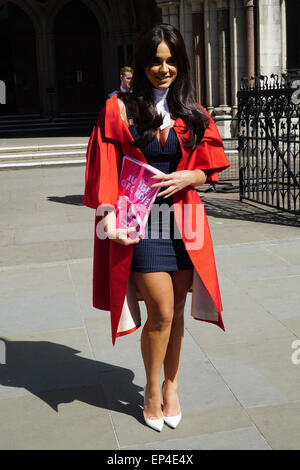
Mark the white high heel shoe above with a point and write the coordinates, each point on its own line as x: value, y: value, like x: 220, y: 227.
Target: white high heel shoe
x: 156, y: 424
x: 173, y: 421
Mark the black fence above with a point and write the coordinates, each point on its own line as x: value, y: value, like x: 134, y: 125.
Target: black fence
x: 269, y: 141
x: 230, y: 175
x: 229, y: 178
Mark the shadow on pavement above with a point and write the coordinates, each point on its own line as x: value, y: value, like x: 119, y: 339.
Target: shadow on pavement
x: 226, y: 208
x: 56, y: 374
x: 221, y: 207
x: 75, y: 199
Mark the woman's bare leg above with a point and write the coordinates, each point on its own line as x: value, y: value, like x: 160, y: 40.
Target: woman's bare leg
x: 182, y: 281
x: 158, y: 293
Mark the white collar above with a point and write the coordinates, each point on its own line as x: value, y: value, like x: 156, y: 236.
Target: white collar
x: 160, y: 99
x: 125, y: 91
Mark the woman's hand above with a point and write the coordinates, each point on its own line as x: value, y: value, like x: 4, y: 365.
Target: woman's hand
x: 178, y: 180
x: 118, y: 235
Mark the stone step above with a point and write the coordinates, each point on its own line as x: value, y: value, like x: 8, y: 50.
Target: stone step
x: 15, y: 150
x: 47, y: 123
x: 37, y: 164
x: 40, y: 155
x: 12, y: 118
x: 6, y: 158
x: 45, y: 129
x: 32, y: 124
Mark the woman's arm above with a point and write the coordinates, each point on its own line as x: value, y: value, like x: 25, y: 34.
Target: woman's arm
x: 200, y: 178
x: 178, y: 180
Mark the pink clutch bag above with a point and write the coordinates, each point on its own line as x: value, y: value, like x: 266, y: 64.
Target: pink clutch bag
x: 136, y: 197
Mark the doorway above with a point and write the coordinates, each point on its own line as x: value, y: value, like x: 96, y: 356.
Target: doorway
x: 78, y: 59
x: 18, y: 68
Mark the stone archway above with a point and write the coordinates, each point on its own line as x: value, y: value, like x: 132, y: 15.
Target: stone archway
x: 18, y: 67
x: 77, y: 41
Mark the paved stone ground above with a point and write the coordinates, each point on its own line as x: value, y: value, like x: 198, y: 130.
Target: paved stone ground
x: 65, y: 387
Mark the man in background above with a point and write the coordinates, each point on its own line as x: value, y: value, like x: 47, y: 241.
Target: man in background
x: 126, y: 80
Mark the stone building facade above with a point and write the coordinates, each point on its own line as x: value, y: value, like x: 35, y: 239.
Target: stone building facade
x: 231, y: 39
x: 63, y: 56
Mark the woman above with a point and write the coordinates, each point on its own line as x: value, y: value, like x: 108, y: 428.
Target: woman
x: 161, y: 124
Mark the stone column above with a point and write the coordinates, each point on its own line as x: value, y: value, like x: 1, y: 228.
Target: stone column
x: 283, y: 35
x: 186, y: 29
x: 46, y: 70
x: 199, y: 54
x: 223, y: 49
x: 52, y: 81
x: 170, y: 11
x: 41, y: 63
x: 250, y: 39
x: 234, y: 58
x: 208, y: 65
x: 174, y: 14
x: 164, y: 13
x: 269, y: 37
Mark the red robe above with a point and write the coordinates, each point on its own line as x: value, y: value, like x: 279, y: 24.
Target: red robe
x: 113, y: 286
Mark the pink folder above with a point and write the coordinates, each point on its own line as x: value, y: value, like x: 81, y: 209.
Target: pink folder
x: 136, y: 197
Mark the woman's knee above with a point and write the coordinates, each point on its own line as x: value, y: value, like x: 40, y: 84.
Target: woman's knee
x: 160, y: 316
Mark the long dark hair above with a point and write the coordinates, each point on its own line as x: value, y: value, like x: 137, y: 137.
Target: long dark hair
x: 181, y: 98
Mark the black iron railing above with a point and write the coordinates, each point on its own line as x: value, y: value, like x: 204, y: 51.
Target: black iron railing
x: 269, y: 141
x: 231, y: 150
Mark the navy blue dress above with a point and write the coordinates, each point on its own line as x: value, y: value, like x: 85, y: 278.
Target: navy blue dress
x: 162, y: 249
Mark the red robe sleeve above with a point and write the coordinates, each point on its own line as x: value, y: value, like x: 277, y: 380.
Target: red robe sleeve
x: 102, y: 168
x: 209, y: 156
